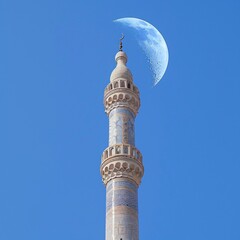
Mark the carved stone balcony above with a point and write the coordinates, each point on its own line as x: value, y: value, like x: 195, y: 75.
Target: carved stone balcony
x: 121, y: 93
x: 122, y: 160
x: 126, y: 150
x: 121, y: 84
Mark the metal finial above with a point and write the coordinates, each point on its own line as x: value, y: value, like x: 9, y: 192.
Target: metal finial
x: 121, y: 46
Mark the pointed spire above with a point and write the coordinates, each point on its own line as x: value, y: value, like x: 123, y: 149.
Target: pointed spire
x: 120, y: 45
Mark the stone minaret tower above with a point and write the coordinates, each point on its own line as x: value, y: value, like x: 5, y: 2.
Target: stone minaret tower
x: 121, y: 167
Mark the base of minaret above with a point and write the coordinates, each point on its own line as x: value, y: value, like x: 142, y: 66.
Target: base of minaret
x: 121, y: 209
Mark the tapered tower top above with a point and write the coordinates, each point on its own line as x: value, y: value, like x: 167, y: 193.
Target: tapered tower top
x: 121, y: 71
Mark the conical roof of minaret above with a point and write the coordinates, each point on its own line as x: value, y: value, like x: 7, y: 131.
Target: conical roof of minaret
x: 121, y: 71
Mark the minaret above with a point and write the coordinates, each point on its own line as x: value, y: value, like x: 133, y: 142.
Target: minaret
x: 121, y: 167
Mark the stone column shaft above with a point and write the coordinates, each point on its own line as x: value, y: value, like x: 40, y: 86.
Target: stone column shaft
x: 121, y: 209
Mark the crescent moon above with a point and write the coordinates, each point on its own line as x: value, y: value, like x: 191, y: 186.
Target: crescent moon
x: 152, y: 43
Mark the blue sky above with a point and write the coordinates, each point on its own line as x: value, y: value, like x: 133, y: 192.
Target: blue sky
x: 56, y: 57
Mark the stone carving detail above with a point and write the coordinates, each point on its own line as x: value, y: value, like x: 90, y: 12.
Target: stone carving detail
x: 120, y: 167
x: 121, y: 97
x: 126, y: 150
x: 122, y: 83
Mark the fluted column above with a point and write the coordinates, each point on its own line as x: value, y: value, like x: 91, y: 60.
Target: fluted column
x: 121, y: 167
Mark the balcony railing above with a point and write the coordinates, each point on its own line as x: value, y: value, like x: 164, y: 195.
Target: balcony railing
x: 122, y: 150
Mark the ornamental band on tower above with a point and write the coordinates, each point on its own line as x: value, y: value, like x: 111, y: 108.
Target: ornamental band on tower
x: 121, y: 166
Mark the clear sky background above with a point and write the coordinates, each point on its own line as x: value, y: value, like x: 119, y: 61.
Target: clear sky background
x: 56, y: 57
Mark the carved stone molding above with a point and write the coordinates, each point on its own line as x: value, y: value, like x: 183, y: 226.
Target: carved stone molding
x: 125, y: 150
x: 121, y: 83
x: 121, y: 167
x: 122, y: 99
x: 121, y: 93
